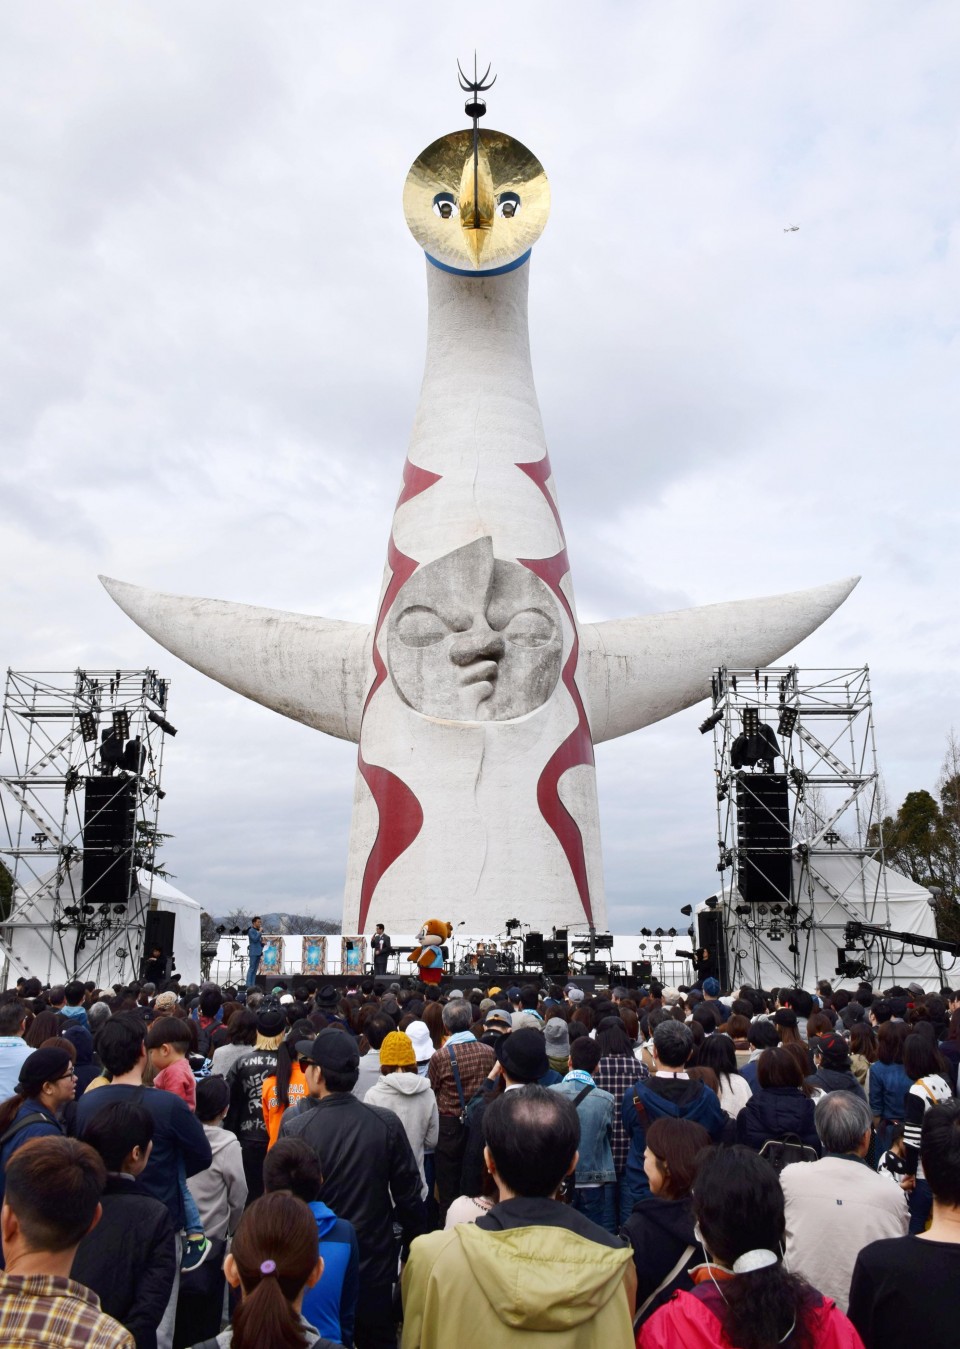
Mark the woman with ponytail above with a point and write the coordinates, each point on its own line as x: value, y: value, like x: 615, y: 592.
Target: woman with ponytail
x: 743, y: 1294
x: 273, y: 1262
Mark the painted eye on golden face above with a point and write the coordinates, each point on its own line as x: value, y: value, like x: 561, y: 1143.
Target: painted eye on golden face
x: 420, y: 626
x: 508, y: 205
x: 529, y: 628
x: 444, y: 204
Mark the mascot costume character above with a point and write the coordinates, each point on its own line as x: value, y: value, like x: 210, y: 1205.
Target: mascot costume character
x: 427, y: 956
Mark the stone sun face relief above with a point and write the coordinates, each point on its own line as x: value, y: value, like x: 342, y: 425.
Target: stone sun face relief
x: 476, y: 214
x: 474, y: 638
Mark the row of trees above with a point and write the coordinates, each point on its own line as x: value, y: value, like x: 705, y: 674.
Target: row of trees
x: 922, y: 841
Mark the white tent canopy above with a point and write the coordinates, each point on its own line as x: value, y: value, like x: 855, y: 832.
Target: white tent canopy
x: 833, y: 890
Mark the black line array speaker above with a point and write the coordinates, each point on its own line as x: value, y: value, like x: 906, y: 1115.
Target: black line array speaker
x: 109, y: 811
x: 159, y: 931
x: 763, y: 836
x: 713, y: 939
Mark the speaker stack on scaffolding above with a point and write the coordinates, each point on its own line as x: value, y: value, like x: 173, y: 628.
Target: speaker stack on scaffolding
x: 797, y: 786
x: 81, y: 759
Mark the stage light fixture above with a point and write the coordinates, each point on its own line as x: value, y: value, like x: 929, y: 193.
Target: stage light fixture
x: 658, y: 932
x: 762, y: 909
x: 792, y: 910
x: 643, y: 946
x: 162, y: 722
x: 711, y: 721
x: 750, y: 716
x: 776, y: 908
x: 119, y: 908
x: 742, y: 911
x: 788, y: 719
x: 121, y: 723
x: 88, y: 725
x: 671, y: 931
x: 687, y: 910
x: 793, y: 948
x: 831, y: 837
x: 712, y: 902
x: 645, y: 932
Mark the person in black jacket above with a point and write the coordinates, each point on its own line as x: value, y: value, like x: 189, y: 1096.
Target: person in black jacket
x: 660, y: 1228
x: 370, y: 1175
x: 831, y: 1061
x: 130, y: 1259
x: 780, y: 1107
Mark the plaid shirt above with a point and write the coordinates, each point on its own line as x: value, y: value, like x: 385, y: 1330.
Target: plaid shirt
x: 474, y: 1062
x: 45, y: 1310
x: 617, y: 1073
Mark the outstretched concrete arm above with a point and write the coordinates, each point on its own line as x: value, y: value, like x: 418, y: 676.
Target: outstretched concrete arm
x: 635, y: 671
x: 313, y: 670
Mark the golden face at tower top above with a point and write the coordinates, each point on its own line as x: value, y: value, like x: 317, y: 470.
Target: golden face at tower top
x: 476, y: 216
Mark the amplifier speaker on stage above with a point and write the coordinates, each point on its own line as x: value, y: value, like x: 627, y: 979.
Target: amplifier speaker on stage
x: 109, y: 807
x: 641, y: 969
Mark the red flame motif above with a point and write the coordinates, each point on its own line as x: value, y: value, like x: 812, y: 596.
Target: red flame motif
x: 400, y: 813
x: 577, y: 749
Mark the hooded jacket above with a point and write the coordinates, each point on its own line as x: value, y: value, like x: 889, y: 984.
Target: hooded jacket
x: 411, y: 1098
x: 837, y: 1079
x: 692, y: 1321
x: 676, y: 1098
x: 530, y: 1272
x: 331, y: 1304
x: 775, y: 1112
x: 220, y: 1192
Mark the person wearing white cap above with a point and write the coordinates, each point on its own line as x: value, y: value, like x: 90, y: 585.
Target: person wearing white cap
x: 423, y: 1046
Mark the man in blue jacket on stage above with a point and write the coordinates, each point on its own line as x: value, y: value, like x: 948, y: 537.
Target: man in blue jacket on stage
x: 255, y: 937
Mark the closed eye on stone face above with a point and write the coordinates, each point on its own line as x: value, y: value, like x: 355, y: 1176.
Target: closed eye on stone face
x: 420, y: 626
x: 530, y: 628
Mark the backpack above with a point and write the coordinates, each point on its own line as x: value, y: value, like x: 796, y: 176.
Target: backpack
x: 781, y: 1152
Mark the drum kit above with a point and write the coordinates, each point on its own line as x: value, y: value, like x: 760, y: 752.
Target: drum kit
x: 491, y: 957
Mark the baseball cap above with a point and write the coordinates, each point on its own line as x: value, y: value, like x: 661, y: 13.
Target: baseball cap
x: 333, y: 1049
x: 574, y: 994
x: 498, y: 1019
x: 832, y: 1049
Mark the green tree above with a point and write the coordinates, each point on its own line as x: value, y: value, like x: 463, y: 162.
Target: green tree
x: 922, y: 841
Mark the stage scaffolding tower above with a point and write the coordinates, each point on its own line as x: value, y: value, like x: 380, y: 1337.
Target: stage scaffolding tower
x: 61, y: 732
x: 796, y: 784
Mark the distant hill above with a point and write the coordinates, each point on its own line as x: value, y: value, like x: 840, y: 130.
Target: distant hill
x: 287, y: 923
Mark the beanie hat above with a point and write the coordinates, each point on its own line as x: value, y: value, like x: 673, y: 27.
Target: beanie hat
x: 271, y: 1020
x: 397, y: 1051
x: 43, y: 1065
x: 418, y: 1033
x: 524, y: 1055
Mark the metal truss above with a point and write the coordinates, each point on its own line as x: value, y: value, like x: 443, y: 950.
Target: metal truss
x: 50, y: 745
x: 816, y: 729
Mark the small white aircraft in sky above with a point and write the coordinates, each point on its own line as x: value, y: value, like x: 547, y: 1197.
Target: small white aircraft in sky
x: 790, y: 229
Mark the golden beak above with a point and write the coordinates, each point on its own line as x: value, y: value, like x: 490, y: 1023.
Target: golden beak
x: 477, y: 203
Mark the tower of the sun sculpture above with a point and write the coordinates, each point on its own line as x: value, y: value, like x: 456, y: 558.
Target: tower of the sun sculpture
x: 476, y: 696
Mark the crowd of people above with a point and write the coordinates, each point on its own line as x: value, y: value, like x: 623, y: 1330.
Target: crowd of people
x: 665, y: 1167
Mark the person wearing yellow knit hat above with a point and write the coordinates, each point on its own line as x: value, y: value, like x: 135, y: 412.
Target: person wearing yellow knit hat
x: 400, y: 1088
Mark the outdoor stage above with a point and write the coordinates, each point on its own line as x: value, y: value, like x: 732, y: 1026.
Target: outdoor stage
x: 465, y: 982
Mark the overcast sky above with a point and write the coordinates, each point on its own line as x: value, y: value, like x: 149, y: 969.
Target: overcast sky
x: 212, y: 326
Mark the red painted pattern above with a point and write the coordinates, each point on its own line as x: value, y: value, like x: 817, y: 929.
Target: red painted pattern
x: 400, y: 813
x: 577, y: 749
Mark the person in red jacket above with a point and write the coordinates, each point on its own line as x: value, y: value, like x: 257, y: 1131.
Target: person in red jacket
x: 743, y: 1295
